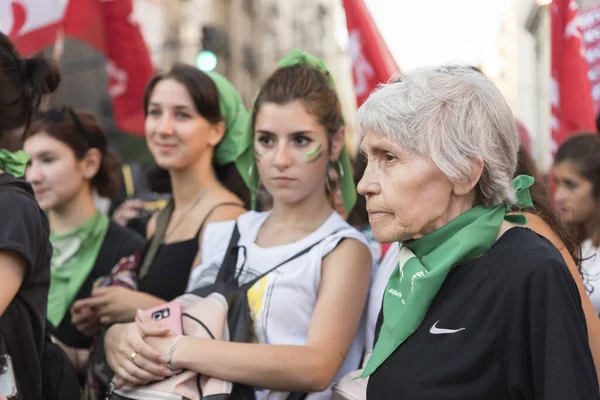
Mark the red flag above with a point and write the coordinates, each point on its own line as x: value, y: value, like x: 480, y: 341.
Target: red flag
x: 109, y: 27
x: 372, y: 62
x: 32, y: 25
x: 84, y: 21
x: 571, y: 100
x: 129, y: 65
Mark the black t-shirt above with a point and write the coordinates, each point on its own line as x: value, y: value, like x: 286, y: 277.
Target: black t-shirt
x: 508, y: 325
x: 118, y: 242
x: 24, y: 230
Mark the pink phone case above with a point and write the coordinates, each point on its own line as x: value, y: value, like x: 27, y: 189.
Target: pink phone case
x: 168, y: 315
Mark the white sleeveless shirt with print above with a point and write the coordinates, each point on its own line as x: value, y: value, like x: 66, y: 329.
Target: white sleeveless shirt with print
x: 283, y: 301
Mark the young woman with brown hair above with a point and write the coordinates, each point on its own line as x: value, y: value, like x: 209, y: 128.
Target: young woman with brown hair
x: 70, y: 160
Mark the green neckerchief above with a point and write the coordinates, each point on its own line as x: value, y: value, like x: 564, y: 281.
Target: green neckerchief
x: 246, y: 159
x: 424, y: 263
x: 13, y: 163
x: 73, y: 257
x: 235, y: 116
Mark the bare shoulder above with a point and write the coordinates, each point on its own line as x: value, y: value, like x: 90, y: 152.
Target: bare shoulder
x: 225, y: 207
x: 350, y: 255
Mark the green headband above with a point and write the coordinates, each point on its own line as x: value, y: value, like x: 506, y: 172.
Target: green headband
x: 246, y: 160
x: 235, y: 117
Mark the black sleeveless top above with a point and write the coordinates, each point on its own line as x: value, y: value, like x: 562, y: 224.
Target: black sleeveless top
x: 169, y: 273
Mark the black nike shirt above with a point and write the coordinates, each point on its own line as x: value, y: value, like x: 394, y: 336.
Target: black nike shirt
x: 508, y: 325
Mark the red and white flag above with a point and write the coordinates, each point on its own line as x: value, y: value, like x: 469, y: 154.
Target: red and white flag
x: 571, y: 100
x: 32, y: 25
x: 109, y: 26
x: 372, y: 62
x: 106, y: 25
x: 118, y: 36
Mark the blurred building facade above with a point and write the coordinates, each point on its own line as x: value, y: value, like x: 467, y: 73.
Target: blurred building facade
x: 524, y: 74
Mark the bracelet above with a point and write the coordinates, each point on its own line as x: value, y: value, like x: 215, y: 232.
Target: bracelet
x: 170, y: 353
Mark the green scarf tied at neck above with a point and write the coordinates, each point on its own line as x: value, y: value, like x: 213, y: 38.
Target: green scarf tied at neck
x: 73, y: 257
x: 424, y: 263
x: 13, y: 163
x: 247, y: 159
x: 235, y: 117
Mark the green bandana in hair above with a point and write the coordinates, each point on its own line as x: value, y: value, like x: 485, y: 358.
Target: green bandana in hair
x: 73, y: 257
x: 235, y: 116
x: 424, y: 263
x: 247, y: 159
x: 13, y: 163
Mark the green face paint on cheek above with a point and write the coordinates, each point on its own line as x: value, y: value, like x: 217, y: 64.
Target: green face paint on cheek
x: 313, y: 155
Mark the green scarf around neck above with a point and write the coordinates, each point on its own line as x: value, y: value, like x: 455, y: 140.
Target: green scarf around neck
x: 73, y: 257
x: 13, y: 163
x: 424, y: 264
x: 247, y: 159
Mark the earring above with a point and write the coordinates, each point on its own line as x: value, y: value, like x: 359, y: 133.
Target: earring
x: 340, y: 169
x: 332, y: 184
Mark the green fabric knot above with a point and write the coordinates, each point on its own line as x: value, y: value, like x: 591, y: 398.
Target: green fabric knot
x: 235, y: 116
x: 521, y: 185
x: 13, y: 163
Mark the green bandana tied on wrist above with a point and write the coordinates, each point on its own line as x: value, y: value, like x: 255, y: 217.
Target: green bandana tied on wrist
x: 247, y: 158
x: 424, y: 263
x: 13, y: 163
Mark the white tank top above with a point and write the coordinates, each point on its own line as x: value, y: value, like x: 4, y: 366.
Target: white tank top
x: 283, y: 301
x: 590, y: 267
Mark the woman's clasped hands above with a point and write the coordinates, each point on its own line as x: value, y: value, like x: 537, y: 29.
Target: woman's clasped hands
x: 137, y: 352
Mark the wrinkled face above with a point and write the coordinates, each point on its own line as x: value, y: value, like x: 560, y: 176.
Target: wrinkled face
x: 56, y: 175
x: 407, y: 194
x: 177, y: 135
x: 574, y: 195
x: 292, y: 152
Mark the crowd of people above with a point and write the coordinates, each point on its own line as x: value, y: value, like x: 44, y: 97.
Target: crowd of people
x: 440, y: 264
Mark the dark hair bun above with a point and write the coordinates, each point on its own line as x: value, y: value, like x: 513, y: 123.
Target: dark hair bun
x: 41, y: 74
x: 24, y: 83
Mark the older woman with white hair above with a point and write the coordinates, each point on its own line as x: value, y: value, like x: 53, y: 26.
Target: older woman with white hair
x: 478, y: 307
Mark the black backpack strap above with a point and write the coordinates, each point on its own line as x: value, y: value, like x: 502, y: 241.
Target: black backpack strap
x: 162, y: 221
x: 248, y: 285
x: 229, y: 264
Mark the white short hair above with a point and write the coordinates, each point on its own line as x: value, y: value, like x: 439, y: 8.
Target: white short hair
x: 452, y: 114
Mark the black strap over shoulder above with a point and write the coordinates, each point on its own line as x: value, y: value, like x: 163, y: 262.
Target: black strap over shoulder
x: 162, y: 221
x: 248, y: 285
x: 227, y: 272
x: 209, y: 213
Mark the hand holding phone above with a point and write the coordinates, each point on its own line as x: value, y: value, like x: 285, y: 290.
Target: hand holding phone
x: 168, y: 315
x: 8, y: 384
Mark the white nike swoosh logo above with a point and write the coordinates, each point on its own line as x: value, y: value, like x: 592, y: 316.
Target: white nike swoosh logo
x: 440, y: 331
